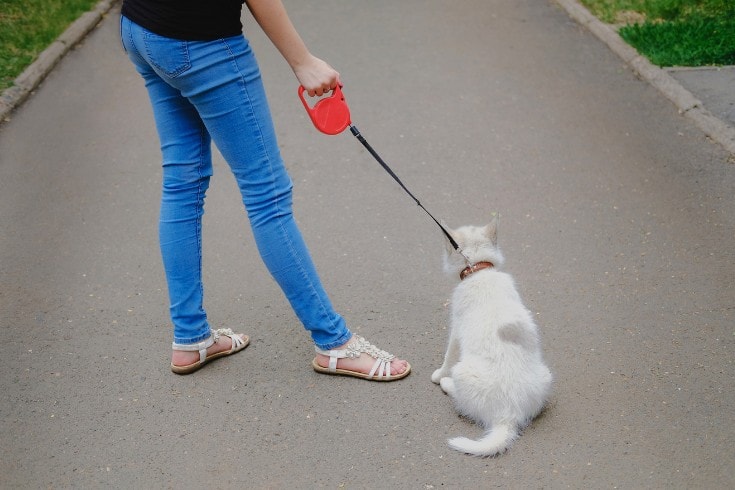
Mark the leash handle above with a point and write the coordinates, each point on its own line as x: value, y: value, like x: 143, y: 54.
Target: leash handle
x: 330, y: 115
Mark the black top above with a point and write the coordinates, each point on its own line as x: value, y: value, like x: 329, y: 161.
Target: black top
x: 191, y: 20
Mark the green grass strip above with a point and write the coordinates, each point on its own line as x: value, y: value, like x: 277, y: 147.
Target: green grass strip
x: 27, y: 27
x: 675, y: 32
x: 696, y: 41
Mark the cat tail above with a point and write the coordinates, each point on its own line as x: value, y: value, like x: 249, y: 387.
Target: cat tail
x: 495, y: 441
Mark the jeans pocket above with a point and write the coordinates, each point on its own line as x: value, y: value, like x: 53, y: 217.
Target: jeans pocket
x: 171, y: 56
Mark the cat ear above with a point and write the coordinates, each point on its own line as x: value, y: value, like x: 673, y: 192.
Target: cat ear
x: 491, y: 230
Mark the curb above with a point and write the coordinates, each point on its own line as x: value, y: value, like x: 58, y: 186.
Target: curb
x: 35, y: 73
x: 688, y: 104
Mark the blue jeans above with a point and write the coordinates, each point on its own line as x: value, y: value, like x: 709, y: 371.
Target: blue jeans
x: 204, y: 91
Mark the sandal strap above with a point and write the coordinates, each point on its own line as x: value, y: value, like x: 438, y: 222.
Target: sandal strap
x: 207, y: 343
x: 198, y: 346
x: 333, y: 354
x: 236, y: 339
x: 357, y: 346
x: 382, y: 367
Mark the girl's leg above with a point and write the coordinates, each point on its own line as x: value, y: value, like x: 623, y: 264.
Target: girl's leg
x: 225, y: 87
x: 187, y: 166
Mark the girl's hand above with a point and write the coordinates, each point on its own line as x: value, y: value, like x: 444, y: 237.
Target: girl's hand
x: 316, y: 76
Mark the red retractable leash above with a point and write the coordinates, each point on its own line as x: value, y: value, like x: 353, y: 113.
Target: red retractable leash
x: 331, y: 115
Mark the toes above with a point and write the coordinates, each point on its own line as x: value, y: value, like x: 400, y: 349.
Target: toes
x: 398, y: 366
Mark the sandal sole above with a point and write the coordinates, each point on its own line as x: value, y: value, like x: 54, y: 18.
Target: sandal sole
x: 190, y: 368
x: 344, y: 372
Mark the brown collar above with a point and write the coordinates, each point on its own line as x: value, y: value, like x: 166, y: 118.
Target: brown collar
x: 470, y: 269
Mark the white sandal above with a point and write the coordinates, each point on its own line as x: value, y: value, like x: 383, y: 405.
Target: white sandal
x: 380, y: 370
x: 239, y: 342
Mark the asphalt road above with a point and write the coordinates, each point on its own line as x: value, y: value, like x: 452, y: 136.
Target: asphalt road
x: 617, y: 221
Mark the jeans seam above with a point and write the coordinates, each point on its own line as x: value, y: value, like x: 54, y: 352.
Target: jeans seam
x: 122, y: 35
x: 304, y: 275
x: 200, y: 212
x: 130, y: 36
x: 244, y: 84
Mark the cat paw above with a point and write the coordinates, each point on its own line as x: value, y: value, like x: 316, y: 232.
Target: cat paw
x: 447, y: 385
x: 437, y: 376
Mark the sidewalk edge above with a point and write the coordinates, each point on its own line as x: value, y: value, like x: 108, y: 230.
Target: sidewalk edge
x: 36, y: 72
x: 688, y: 105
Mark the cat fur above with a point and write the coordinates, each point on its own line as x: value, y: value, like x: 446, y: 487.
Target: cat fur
x: 493, y: 368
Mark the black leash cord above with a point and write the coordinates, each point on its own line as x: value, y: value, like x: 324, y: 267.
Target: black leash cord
x: 364, y: 142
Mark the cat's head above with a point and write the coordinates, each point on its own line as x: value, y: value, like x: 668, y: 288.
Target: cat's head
x: 478, y: 243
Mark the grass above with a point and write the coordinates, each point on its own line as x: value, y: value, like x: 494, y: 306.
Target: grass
x: 674, y: 32
x: 27, y: 27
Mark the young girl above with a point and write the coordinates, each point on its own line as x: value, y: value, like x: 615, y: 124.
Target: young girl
x: 204, y: 85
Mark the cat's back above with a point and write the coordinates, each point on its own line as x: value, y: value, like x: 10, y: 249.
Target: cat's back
x: 489, y: 299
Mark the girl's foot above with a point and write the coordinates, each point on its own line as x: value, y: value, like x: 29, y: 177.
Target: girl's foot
x: 357, y: 357
x: 187, y: 358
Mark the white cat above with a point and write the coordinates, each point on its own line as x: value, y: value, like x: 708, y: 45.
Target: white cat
x: 493, y: 368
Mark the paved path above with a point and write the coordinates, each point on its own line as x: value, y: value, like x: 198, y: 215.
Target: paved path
x: 617, y: 222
